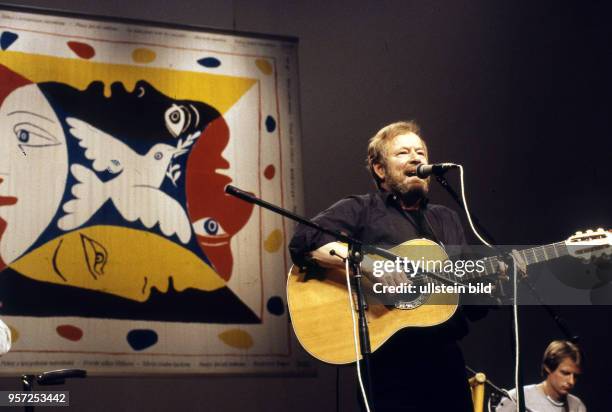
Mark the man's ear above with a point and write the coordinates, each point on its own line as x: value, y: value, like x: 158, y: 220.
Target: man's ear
x: 379, y: 169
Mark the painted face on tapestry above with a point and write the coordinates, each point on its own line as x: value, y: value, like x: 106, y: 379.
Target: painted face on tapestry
x: 33, y: 164
x: 216, y: 219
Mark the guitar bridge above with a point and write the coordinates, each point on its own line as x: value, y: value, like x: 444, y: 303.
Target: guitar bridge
x: 412, y: 304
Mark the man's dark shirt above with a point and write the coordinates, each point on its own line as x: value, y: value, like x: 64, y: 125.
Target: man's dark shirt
x: 379, y: 219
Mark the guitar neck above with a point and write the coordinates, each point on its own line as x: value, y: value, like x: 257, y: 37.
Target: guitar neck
x: 530, y: 256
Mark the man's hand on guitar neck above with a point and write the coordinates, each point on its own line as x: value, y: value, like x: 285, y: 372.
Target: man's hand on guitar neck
x: 521, y: 266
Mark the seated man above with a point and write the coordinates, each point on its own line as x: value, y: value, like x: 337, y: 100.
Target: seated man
x: 5, y: 338
x: 560, y: 366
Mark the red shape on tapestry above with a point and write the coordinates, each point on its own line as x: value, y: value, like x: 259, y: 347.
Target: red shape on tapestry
x: 83, y: 50
x: 70, y: 332
x: 4, y: 201
x: 269, y: 172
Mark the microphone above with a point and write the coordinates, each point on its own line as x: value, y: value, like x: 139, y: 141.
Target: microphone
x: 437, y: 169
x: 241, y: 194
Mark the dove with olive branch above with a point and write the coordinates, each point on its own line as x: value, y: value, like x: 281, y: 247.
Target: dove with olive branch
x: 135, y: 185
x: 174, y: 170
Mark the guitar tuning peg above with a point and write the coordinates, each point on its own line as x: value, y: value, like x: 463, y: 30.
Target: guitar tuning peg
x: 599, y: 229
x: 579, y: 232
x: 589, y: 231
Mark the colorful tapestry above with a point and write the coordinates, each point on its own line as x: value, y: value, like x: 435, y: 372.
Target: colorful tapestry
x: 119, y: 250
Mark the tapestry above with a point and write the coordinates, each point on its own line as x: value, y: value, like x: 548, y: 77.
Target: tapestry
x: 119, y: 250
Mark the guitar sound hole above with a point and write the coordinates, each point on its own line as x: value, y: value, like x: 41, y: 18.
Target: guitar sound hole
x: 406, y: 301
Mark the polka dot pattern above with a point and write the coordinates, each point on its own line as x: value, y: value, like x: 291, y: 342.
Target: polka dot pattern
x: 274, y: 241
x: 14, y: 334
x: 140, y: 339
x: 7, y: 38
x: 83, y: 50
x: 237, y: 338
x: 270, y: 124
x: 70, y: 332
x: 210, y: 62
x: 269, y: 172
x: 275, y: 305
x: 143, y: 55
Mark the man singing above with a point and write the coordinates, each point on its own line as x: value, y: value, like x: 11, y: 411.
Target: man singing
x: 418, y: 369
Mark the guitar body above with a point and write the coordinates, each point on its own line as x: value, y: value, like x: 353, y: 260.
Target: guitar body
x: 321, y: 315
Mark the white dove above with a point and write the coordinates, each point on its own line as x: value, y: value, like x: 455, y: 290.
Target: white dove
x: 134, y: 191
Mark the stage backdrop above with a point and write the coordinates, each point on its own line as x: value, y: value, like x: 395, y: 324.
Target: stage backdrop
x: 120, y: 252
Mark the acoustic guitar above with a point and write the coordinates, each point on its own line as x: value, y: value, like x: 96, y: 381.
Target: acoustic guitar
x: 321, y: 315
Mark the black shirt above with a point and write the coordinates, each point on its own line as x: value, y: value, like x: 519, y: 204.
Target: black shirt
x: 378, y: 219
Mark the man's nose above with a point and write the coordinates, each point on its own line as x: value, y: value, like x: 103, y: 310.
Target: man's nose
x: 415, y: 159
x: 571, y: 379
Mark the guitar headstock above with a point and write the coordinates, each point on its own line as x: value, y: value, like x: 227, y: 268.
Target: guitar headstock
x: 591, y: 244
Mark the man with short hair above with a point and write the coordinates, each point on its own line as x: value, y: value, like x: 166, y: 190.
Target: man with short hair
x: 561, y: 366
x: 417, y: 369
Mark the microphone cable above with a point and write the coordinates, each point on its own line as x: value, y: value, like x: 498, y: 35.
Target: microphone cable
x: 515, y: 290
x: 467, y: 210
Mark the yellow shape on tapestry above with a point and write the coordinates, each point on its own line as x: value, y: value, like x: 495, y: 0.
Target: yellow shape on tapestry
x: 274, y: 241
x: 14, y: 334
x: 219, y: 91
x: 119, y: 261
x: 264, y: 66
x: 236, y: 338
x: 143, y: 55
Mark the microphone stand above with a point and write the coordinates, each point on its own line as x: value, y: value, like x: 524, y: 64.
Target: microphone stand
x: 559, y: 321
x: 355, y: 256
x: 496, y: 392
x: 55, y: 377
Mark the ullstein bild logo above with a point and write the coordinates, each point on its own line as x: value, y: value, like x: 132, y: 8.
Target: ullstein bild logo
x: 428, y: 288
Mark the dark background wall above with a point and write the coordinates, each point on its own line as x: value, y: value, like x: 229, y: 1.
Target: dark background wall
x: 518, y: 92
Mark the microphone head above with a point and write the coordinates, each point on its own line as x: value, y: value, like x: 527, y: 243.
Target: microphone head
x: 423, y: 171
x: 437, y: 169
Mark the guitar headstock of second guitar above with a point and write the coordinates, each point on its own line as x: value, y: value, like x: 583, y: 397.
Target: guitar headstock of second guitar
x: 589, y: 245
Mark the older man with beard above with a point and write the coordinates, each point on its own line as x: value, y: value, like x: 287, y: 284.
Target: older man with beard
x: 418, y: 369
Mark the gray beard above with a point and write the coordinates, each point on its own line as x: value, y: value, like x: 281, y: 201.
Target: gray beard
x: 409, y: 194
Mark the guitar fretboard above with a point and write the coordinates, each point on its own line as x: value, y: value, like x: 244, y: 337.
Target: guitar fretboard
x: 491, y: 264
x: 532, y: 255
